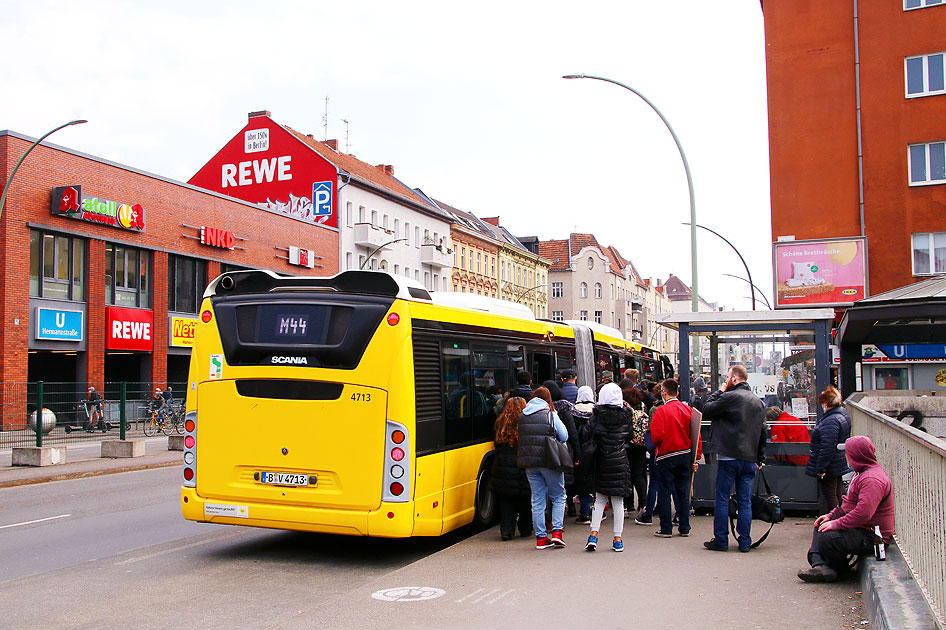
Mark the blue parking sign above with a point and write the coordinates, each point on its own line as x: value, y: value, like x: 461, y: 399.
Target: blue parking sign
x: 322, y: 199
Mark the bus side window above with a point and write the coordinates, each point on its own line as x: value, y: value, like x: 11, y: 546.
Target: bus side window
x: 517, y: 362
x: 461, y: 397
x: 490, y: 378
x: 541, y: 364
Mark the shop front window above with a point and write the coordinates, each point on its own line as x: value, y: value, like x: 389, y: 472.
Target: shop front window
x: 57, y: 266
x: 187, y: 279
x: 127, y: 276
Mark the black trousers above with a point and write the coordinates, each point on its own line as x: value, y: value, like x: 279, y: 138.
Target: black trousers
x: 833, y: 547
x: 832, y: 491
x: 637, y: 459
x: 509, y: 508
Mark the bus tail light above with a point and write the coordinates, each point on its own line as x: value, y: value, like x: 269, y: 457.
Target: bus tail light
x: 397, y: 464
x: 190, y: 449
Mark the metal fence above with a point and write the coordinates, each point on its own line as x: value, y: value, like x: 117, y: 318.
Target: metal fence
x: 67, y: 416
x: 916, y: 464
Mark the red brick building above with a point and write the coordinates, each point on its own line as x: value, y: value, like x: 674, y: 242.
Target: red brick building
x: 856, y: 135
x: 101, y: 264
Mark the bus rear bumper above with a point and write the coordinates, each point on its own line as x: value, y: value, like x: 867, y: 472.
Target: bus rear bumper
x: 390, y: 520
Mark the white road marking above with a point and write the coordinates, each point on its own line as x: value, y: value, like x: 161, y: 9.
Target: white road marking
x: 485, y: 595
x: 496, y: 599
x: 39, y: 520
x: 463, y: 599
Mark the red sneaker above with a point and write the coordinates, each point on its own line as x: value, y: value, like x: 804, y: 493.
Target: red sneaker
x: 543, y: 543
x: 557, y: 539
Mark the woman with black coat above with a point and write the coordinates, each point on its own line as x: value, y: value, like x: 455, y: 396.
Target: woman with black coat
x: 507, y: 481
x: 612, y: 474
x: 826, y: 462
x: 584, y: 474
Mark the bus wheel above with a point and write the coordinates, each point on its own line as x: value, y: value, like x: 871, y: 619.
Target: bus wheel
x: 485, y: 502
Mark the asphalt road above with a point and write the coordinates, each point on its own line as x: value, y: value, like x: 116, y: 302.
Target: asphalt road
x: 114, y: 552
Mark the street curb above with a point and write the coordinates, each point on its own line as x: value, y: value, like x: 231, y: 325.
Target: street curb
x: 894, y: 599
x: 87, y: 473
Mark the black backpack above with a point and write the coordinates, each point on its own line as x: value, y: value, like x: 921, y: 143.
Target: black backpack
x: 765, y: 507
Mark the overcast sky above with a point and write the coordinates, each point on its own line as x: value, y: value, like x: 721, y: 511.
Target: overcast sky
x: 465, y: 100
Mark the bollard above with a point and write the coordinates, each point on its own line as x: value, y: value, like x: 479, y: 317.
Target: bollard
x: 39, y: 414
x: 121, y: 410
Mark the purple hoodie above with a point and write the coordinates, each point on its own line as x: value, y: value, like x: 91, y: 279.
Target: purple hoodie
x: 869, y: 499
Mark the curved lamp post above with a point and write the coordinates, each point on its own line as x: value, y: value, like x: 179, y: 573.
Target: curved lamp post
x: 751, y: 285
x: 761, y: 293
x: 3, y: 197
x: 376, y: 250
x: 686, y: 167
x: 523, y: 294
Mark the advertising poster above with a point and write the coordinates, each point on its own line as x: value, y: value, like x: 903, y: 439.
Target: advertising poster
x: 829, y: 272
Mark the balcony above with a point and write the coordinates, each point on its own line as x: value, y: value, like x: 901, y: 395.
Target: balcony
x: 368, y: 235
x: 436, y: 255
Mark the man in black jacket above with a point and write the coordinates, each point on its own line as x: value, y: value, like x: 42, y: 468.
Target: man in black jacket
x: 738, y: 438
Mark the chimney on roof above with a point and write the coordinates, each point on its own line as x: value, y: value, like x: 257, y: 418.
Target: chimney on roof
x: 491, y: 220
x: 387, y: 169
x: 309, y: 135
x: 332, y: 144
x: 262, y: 112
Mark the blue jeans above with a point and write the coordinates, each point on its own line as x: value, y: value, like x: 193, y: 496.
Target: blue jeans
x: 653, y: 484
x: 742, y: 473
x: 674, y: 476
x: 585, y: 504
x: 547, y: 482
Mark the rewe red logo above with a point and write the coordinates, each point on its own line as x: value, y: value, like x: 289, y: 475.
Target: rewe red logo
x: 129, y: 329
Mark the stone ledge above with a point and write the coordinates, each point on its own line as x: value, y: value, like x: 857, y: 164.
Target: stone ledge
x: 175, y: 442
x: 894, y: 599
x: 123, y: 448
x: 39, y: 455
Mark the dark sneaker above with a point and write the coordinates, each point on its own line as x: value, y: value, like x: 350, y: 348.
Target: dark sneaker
x: 684, y: 534
x: 644, y: 519
x: 660, y: 534
x: 505, y: 537
x: 617, y: 545
x: 543, y: 543
x: 745, y: 549
x: 819, y: 573
x: 592, y: 543
x: 557, y: 539
x: 712, y: 545
x: 583, y: 520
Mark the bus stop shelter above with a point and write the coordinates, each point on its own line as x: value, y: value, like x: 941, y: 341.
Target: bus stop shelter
x: 790, y: 347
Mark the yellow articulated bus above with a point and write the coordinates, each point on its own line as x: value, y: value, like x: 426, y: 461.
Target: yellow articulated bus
x: 362, y: 404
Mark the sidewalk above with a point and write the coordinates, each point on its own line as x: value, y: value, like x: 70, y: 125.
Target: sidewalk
x: 83, y: 459
x: 655, y: 584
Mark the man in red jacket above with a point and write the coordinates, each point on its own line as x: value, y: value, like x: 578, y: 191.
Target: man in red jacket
x: 849, y: 528
x: 670, y: 432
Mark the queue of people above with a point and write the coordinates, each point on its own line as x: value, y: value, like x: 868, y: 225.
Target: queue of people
x: 616, y: 438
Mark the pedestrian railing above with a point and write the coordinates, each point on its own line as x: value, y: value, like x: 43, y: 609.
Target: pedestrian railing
x: 916, y: 464
x: 66, y: 415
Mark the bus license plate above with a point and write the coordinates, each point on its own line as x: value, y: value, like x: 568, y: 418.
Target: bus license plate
x: 284, y: 479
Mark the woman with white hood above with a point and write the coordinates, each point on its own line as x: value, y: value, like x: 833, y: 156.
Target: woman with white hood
x: 537, y: 422
x: 611, y: 426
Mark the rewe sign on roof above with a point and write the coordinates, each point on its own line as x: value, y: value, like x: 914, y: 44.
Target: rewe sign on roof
x: 267, y: 165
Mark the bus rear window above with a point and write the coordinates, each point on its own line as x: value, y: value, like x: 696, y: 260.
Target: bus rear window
x: 298, y: 329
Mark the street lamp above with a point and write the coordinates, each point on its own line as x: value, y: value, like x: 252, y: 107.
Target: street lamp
x: 751, y: 285
x: 3, y: 197
x: 686, y: 167
x: 376, y: 250
x: 522, y: 295
x: 761, y: 293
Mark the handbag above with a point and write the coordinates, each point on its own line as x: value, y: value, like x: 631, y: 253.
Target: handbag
x: 557, y: 456
x: 766, y: 507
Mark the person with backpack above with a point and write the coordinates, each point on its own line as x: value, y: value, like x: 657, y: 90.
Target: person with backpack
x: 636, y: 449
x: 538, y: 422
x: 565, y: 410
x: 611, y: 426
x: 826, y: 462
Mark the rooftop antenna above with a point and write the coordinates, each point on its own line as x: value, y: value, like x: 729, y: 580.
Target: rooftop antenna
x: 345, y: 120
x: 325, y: 118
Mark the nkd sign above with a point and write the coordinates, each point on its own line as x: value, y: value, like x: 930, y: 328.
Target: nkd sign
x: 216, y: 237
x: 68, y: 201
